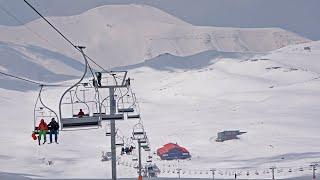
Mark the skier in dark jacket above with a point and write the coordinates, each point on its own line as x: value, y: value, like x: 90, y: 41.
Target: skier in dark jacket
x: 54, y: 128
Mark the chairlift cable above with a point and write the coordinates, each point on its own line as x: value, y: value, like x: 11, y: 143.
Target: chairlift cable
x: 64, y: 37
x: 20, y: 78
x: 23, y: 24
x: 33, y: 82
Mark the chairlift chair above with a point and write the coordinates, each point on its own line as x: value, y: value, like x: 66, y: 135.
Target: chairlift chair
x: 134, y: 158
x: 76, y: 103
x: 138, y: 132
x: 108, y: 129
x: 119, y: 141
x: 41, y: 111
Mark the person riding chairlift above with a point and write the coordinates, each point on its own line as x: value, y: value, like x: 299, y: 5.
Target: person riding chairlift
x: 43, y: 128
x: 81, y: 113
x: 98, y: 74
x: 54, y: 129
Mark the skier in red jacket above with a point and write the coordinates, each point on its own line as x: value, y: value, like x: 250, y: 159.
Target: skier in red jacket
x: 43, y: 128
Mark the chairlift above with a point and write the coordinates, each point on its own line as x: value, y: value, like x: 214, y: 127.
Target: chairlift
x: 86, y: 119
x: 78, y: 104
x: 134, y: 158
x: 108, y: 129
x: 41, y: 111
x: 127, y: 103
x: 119, y: 141
x: 138, y: 132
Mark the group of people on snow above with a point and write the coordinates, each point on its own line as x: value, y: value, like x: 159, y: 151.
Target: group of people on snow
x: 52, y: 127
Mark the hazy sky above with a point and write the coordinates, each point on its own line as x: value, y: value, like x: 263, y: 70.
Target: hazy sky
x: 300, y: 16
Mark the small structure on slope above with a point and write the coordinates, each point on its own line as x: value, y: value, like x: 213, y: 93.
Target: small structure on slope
x: 173, y: 151
x: 228, y: 135
x: 151, y: 171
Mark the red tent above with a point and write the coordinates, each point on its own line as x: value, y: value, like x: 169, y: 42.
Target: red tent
x: 173, y: 151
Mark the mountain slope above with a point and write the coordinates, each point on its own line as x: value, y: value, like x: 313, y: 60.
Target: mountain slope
x: 128, y: 34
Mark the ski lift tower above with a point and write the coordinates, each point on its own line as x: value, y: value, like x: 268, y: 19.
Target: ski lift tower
x: 112, y: 80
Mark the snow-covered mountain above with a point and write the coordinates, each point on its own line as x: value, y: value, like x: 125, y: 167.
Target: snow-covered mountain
x: 118, y: 35
x: 191, y: 82
x: 276, y: 101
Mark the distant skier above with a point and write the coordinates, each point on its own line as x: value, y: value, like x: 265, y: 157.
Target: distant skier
x: 43, y: 128
x: 54, y: 128
x: 80, y: 113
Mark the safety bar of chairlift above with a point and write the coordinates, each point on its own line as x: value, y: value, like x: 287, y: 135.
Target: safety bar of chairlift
x: 119, y: 144
x: 98, y: 114
x: 112, y: 117
x: 125, y: 110
x: 139, y: 133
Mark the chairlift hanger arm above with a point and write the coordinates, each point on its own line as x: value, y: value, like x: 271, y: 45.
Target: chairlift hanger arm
x: 84, y: 73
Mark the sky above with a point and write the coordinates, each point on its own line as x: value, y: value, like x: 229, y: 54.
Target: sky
x: 299, y: 16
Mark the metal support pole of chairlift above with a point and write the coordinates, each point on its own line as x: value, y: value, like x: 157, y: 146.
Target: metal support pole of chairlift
x: 272, y: 170
x: 314, y: 170
x: 140, y: 166
x: 113, y: 134
x: 179, y: 172
x: 212, y: 170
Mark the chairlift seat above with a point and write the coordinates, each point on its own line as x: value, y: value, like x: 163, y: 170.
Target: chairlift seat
x: 133, y: 116
x: 142, y: 141
x: 98, y: 114
x: 84, y: 121
x: 119, y: 144
x: 112, y: 117
x: 125, y: 110
x: 144, y: 145
x: 108, y: 133
x: 139, y: 133
x: 36, y: 130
